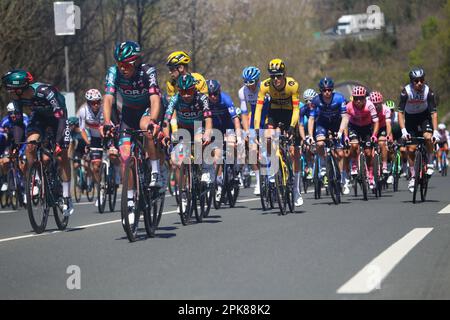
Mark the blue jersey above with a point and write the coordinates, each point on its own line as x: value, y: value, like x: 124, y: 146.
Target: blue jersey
x: 6, y: 127
x: 304, y: 114
x: 329, y: 113
x: 223, y: 112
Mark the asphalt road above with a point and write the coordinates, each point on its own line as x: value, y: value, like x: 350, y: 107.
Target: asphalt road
x: 388, y: 248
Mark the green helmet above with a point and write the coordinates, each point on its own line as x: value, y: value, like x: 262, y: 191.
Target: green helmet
x: 17, y: 79
x: 390, y: 104
x: 127, y: 51
x: 186, y: 81
x: 73, y: 121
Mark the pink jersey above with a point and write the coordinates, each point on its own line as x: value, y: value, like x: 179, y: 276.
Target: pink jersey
x: 385, y: 113
x: 363, y: 117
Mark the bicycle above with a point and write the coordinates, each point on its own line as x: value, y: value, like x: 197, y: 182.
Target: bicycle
x: 317, y: 179
x: 230, y: 185
x: 83, y: 181
x: 420, y: 166
x: 332, y: 169
x: 444, y: 165
x: 304, y: 169
x: 107, y: 184
x: 190, y: 187
x: 43, y: 174
x: 396, y: 165
x: 148, y: 201
x: 15, y: 193
x: 361, y: 177
x: 378, y: 178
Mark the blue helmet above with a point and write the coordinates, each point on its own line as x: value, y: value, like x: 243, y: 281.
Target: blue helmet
x: 213, y: 87
x: 251, y: 74
x: 325, y: 83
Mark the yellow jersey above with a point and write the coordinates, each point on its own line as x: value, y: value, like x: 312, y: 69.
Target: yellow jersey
x: 286, y: 99
x: 200, y: 84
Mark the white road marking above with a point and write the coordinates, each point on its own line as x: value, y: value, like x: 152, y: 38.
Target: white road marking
x: 371, y: 276
x: 446, y: 210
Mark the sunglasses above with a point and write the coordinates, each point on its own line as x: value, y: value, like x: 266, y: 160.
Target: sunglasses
x: 94, y: 103
x: 214, y: 94
x: 126, y: 65
x: 249, y: 83
x: 359, y: 98
x: 422, y: 80
x: 172, y: 69
x: 276, y: 76
x: 187, y: 92
x: 327, y: 90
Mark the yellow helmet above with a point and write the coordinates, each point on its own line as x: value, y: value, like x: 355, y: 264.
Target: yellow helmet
x: 276, y: 66
x: 176, y: 58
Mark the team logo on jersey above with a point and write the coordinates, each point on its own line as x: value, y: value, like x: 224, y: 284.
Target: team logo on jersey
x: 291, y: 83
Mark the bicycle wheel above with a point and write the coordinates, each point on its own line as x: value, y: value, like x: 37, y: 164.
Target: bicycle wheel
x: 57, y: 200
x: 77, y: 183
x: 155, y: 212
x: 444, y: 164
x: 130, y: 220
x: 264, y: 192
x: 418, y: 171
x: 316, y: 178
x: 13, y: 197
x: 218, y: 202
x: 102, y: 188
x: 90, y: 187
x: 3, y: 194
x: 280, y: 184
x: 39, y: 214
x: 112, y: 188
x: 333, y: 180
x: 232, y: 185
x: 186, y: 197
x: 396, y: 171
x: 423, y: 181
x: 205, y: 199
x: 363, y: 175
x: 376, y: 176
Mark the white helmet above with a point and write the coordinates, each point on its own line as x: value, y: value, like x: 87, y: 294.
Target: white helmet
x: 10, y: 107
x: 93, y: 95
x: 441, y: 126
x: 309, y: 94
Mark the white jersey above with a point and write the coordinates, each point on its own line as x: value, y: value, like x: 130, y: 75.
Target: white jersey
x: 417, y: 101
x: 90, y: 121
x: 247, y: 96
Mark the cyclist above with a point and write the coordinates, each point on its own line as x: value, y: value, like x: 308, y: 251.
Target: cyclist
x: 418, y: 116
x: 248, y: 96
x: 305, y: 111
x: 225, y: 119
x: 48, y: 110
x: 443, y: 144
x: 283, y: 108
x: 329, y: 114
x: 384, y: 123
x: 192, y: 106
x: 133, y: 85
x: 10, y: 138
x: 362, y: 115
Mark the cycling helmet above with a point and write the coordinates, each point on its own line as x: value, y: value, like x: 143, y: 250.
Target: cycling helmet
x: 93, y: 95
x: 416, y: 73
x: 251, y: 74
x: 441, y: 126
x: 390, y: 104
x: 10, y: 107
x: 276, y: 66
x: 176, y: 58
x: 213, y: 87
x: 186, y: 81
x: 359, y: 91
x: 73, y: 121
x: 127, y: 51
x: 326, y: 83
x: 376, y: 97
x: 17, y: 79
x: 309, y: 94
